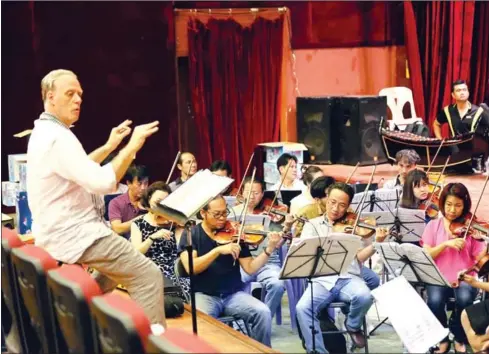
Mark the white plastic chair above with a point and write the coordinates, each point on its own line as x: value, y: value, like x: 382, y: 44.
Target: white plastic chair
x: 397, y: 97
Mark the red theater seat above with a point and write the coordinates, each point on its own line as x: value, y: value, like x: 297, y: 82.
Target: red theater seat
x: 20, y: 335
x: 72, y: 289
x: 121, y: 325
x: 176, y: 340
x: 31, y: 264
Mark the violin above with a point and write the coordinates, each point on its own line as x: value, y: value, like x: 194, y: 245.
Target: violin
x: 276, y: 212
x: 476, y: 230
x: 430, y: 206
x: 365, y: 227
x: 253, y: 235
x: 481, y: 267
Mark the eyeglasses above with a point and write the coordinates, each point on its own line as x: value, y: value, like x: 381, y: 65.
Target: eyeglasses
x: 219, y: 215
x: 333, y: 203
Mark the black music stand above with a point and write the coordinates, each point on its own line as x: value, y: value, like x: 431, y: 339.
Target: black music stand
x: 317, y: 257
x: 188, y: 227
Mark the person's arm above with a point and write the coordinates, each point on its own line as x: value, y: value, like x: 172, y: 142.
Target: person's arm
x: 437, y: 130
x: 365, y: 253
x: 251, y: 265
x: 117, y: 134
x: 120, y: 227
x: 434, y: 251
x: 136, y: 240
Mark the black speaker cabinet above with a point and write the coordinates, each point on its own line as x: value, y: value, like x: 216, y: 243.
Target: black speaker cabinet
x: 355, y: 129
x: 313, y: 127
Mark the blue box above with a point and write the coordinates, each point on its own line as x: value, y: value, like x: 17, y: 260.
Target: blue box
x: 13, y: 166
x: 24, y: 216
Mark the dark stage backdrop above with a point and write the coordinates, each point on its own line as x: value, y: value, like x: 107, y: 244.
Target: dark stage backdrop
x: 123, y: 54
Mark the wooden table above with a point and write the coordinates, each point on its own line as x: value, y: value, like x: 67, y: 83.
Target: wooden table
x: 222, y: 337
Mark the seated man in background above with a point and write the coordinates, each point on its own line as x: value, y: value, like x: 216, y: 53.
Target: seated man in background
x: 349, y: 288
x: 222, y: 168
x: 406, y: 161
x: 217, y: 280
x: 187, y: 164
x: 124, y: 209
x: 291, y: 182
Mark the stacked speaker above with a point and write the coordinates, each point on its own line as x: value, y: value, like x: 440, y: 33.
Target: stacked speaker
x: 342, y: 129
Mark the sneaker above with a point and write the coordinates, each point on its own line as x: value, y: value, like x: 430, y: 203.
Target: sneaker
x: 157, y: 329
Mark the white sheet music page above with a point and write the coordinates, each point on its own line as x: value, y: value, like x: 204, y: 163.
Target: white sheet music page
x: 414, y: 322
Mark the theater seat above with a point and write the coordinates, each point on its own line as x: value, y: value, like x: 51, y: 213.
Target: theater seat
x: 176, y: 340
x: 31, y: 264
x: 20, y: 335
x: 121, y: 324
x: 72, y: 289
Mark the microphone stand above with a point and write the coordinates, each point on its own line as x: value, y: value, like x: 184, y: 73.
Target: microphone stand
x: 188, y: 227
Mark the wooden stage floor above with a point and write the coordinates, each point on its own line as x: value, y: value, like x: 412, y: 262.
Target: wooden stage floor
x: 474, y: 182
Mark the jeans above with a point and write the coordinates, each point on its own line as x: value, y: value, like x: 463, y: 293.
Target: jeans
x: 267, y: 276
x: 242, y: 305
x: 438, y: 297
x: 371, y: 278
x: 353, y: 291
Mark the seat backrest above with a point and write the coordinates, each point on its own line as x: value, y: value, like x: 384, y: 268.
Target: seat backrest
x: 20, y: 335
x: 397, y: 97
x: 176, y: 340
x: 72, y: 289
x: 31, y: 265
x: 121, y: 324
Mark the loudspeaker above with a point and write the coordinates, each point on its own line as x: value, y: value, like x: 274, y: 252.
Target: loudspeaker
x: 313, y: 127
x: 355, y: 129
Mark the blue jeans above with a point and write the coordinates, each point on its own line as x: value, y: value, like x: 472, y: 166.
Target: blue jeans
x: 437, y: 299
x: 371, y: 278
x: 254, y: 312
x: 353, y: 291
x: 267, y: 276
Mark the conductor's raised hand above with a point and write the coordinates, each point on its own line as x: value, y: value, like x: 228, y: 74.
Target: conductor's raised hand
x: 118, y: 133
x: 141, y: 133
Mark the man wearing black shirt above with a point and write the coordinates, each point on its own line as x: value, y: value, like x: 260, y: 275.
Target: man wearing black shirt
x: 218, y: 284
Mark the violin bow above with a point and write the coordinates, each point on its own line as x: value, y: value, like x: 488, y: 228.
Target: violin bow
x: 475, y: 209
x: 244, y: 175
x: 352, y: 172
x: 365, y: 196
x: 279, y: 187
x: 173, y: 167
x: 438, y: 180
x: 434, y: 157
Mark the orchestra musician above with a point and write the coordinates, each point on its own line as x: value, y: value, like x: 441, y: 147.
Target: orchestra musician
x: 64, y: 186
x: 157, y: 238
x: 289, y: 176
x: 268, y: 275
x: 217, y: 279
x: 416, y: 193
x: 222, y: 168
x: 451, y: 255
x: 349, y: 288
x: 406, y: 161
x: 305, y: 198
x: 124, y: 209
x: 187, y: 164
x: 475, y: 318
x: 464, y: 117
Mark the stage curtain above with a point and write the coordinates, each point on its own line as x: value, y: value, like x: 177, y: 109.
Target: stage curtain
x: 444, y: 31
x: 479, y: 82
x: 234, y: 80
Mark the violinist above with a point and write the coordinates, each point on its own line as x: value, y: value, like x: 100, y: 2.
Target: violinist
x: 222, y: 168
x: 157, y: 238
x: 288, y: 174
x: 349, y: 288
x: 305, y: 198
x: 406, y: 161
x: 268, y: 275
x: 187, y: 164
x: 217, y: 273
x: 416, y: 194
x: 451, y: 255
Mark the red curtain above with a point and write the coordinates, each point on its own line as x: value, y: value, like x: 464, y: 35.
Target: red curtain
x: 445, y: 41
x: 235, y: 87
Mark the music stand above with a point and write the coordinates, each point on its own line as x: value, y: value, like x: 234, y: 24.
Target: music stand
x: 319, y: 256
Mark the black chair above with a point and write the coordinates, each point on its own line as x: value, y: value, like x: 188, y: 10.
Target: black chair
x: 71, y: 289
x: 19, y: 333
x: 31, y: 265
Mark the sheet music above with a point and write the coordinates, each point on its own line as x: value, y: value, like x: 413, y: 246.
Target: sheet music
x: 339, y: 252
x: 415, y: 324
x: 422, y: 265
x: 412, y: 224
x: 386, y: 199
x: 196, y: 192
x: 230, y: 200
